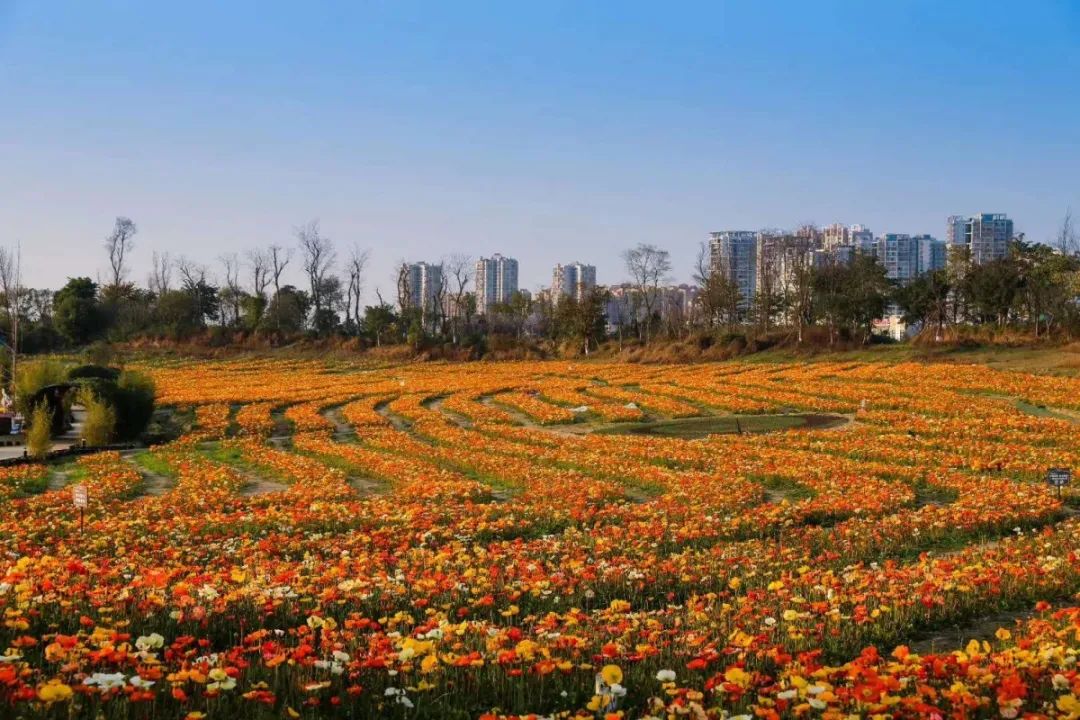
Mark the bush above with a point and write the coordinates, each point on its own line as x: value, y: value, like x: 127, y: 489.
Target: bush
x: 39, y: 435
x: 100, y: 423
x: 99, y: 353
x: 134, y: 404
x: 30, y: 377
x: 93, y: 371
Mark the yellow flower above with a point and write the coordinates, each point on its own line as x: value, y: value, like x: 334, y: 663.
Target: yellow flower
x: 1069, y: 703
x: 54, y: 691
x: 1002, y: 634
x: 737, y: 676
x: 611, y: 674
x: 429, y: 663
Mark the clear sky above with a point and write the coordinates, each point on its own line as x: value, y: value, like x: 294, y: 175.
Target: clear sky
x: 547, y: 131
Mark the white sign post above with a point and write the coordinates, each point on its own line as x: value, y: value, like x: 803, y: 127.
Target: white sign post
x: 80, y: 496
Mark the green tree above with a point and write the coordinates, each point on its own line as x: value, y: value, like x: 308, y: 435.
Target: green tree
x: 77, y: 313
x: 926, y: 300
x: 288, y: 311
x: 993, y: 289
x: 378, y: 321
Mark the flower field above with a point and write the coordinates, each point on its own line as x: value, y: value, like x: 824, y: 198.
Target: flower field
x: 450, y: 541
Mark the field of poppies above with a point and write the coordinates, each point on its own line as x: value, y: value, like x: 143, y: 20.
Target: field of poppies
x: 452, y: 541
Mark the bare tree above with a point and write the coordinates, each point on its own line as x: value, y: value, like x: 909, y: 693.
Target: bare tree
x: 768, y: 281
x: 160, y: 273
x: 720, y: 296
x: 648, y: 266
x: 119, y: 244
x: 460, y: 271
x: 259, y: 263
x: 1067, y: 240
x: 233, y: 292
x: 438, y: 301
x: 191, y: 272
x: 10, y: 287
x: 319, y: 256
x: 358, y: 260
x: 279, y: 260
x: 404, y: 288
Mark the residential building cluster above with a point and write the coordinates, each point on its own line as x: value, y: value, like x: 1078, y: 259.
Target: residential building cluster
x: 750, y: 259
x: 755, y: 261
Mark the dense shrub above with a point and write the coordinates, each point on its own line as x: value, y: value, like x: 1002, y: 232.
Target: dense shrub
x: 39, y: 434
x: 31, y: 377
x: 100, y: 423
x: 132, y: 399
x: 93, y: 371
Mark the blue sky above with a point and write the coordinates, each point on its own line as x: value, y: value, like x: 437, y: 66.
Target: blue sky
x: 547, y: 131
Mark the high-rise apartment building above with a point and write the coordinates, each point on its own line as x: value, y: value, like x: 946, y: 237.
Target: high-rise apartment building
x: 733, y: 254
x: 933, y: 253
x: 835, y: 235
x: 839, y: 235
x: 575, y: 280
x: 899, y: 255
x: 985, y: 236
x: 496, y: 281
x: 862, y: 239
x: 423, y: 286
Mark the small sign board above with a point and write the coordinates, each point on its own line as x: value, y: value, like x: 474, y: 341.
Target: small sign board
x: 1058, y: 477
x: 80, y: 496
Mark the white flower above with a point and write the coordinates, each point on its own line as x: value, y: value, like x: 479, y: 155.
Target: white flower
x: 818, y: 704
x: 392, y: 691
x: 152, y: 641
x: 666, y: 676
x: 617, y: 690
x: 106, y: 681
x: 341, y: 657
x: 222, y: 680
x: 138, y: 682
x: 788, y: 694
x: 770, y: 621
x: 405, y: 701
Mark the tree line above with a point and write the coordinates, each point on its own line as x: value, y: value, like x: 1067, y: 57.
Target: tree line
x: 1034, y: 288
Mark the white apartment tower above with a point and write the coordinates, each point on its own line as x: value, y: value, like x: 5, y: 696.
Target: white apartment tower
x: 423, y: 286
x: 985, y: 236
x: 574, y: 280
x: 733, y: 254
x: 496, y: 281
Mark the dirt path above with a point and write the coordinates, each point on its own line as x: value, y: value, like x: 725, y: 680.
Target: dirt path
x: 343, y: 429
x: 956, y: 637
x: 436, y: 405
x: 397, y: 421
x: 154, y: 484
x: 57, y: 480
x: 258, y: 485
x: 525, y: 421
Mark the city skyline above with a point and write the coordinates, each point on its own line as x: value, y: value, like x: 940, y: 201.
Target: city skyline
x: 837, y: 235
x: 575, y: 131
